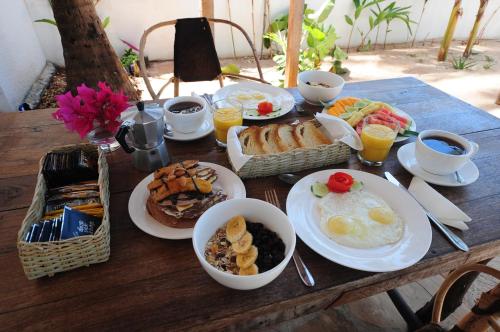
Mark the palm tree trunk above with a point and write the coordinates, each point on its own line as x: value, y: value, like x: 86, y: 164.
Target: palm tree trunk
x: 450, y: 30
x: 88, y: 55
x: 483, y: 29
x: 475, y: 28
x: 418, y: 24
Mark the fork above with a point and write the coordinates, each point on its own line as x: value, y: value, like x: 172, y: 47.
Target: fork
x: 304, y: 274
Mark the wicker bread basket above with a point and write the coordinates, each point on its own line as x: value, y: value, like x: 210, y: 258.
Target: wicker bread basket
x: 294, y: 161
x: 47, y: 258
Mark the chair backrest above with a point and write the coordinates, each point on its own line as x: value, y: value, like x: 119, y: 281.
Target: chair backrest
x: 488, y: 301
x: 146, y: 33
x: 195, y: 58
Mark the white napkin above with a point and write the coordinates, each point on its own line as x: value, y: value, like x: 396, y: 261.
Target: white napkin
x: 340, y: 130
x: 447, y: 212
x: 336, y: 129
x: 234, y: 150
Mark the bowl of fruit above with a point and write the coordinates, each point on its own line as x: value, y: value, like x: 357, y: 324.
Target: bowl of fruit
x: 244, y: 243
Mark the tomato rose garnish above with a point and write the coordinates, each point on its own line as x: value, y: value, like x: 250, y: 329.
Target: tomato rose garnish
x: 340, y: 182
x: 265, y: 107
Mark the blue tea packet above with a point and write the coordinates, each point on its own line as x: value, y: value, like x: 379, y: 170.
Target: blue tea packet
x: 45, y: 232
x: 76, y: 223
x: 55, y: 233
x: 34, y: 233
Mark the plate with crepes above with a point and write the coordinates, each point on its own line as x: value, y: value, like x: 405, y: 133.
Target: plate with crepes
x: 370, y: 226
x: 168, y: 202
x: 249, y: 95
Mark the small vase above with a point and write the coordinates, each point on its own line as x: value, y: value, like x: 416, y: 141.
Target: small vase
x: 104, y: 139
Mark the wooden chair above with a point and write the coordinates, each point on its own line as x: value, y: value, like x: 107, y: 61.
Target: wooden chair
x: 485, y: 314
x: 176, y: 80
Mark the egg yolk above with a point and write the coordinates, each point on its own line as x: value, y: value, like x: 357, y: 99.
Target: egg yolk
x: 382, y: 215
x: 244, y: 97
x: 338, y: 225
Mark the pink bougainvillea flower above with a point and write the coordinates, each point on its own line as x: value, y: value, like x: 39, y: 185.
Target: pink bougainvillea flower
x: 72, y: 112
x: 91, y: 108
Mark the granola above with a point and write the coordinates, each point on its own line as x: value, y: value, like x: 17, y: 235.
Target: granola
x: 219, y: 254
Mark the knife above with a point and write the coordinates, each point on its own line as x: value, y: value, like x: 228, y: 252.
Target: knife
x: 452, y: 237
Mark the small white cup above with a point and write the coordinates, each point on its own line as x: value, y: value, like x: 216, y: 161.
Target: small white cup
x: 440, y: 163
x: 185, y: 123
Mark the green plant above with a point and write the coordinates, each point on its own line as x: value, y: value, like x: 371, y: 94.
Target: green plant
x: 359, y: 7
x: 395, y: 13
x: 461, y: 63
x: 128, y: 58
x: 318, y: 38
x: 339, y: 55
x: 418, y: 23
x: 490, y: 62
x: 105, y: 22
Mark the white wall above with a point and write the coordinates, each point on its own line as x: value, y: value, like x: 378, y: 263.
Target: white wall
x: 129, y: 18
x: 21, y: 56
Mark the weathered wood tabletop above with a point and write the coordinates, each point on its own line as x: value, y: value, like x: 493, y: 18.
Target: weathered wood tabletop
x: 158, y: 284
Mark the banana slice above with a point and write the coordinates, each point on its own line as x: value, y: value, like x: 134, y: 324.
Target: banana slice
x: 236, y: 228
x: 243, y: 245
x: 245, y: 260
x: 253, y: 269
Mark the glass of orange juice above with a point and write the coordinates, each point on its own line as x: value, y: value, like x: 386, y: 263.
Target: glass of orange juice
x: 225, y: 116
x: 378, y: 135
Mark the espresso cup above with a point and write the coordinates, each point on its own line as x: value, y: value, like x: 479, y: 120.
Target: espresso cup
x: 185, y: 123
x: 440, y: 163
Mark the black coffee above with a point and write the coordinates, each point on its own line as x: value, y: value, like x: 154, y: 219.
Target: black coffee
x: 444, y: 145
x: 185, y: 107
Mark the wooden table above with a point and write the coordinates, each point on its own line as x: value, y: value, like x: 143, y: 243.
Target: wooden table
x: 158, y: 284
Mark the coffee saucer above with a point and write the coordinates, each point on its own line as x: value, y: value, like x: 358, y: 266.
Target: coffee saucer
x: 406, y: 157
x: 205, y: 129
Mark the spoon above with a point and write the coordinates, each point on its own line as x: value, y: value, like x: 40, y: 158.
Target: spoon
x: 289, y: 178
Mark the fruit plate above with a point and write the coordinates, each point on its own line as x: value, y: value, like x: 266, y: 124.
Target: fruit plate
x: 399, y: 138
x: 229, y: 182
x: 282, y: 100
x: 302, y: 210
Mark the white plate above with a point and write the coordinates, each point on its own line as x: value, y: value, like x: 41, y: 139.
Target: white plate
x: 399, y: 138
x: 229, y: 182
x: 301, y: 206
x: 279, y: 97
x: 205, y: 129
x: 406, y: 157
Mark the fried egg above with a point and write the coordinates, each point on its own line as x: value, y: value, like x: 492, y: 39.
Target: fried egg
x: 250, y: 99
x: 359, y: 219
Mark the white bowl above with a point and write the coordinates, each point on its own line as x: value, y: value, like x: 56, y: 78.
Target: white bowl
x: 316, y: 94
x: 185, y: 123
x: 253, y: 210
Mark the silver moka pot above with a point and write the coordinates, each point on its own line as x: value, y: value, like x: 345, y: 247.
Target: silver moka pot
x: 142, y: 136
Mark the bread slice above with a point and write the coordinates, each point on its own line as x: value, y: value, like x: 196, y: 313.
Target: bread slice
x: 285, y: 139
x: 267, y: 139
x: 249, y: 140
x: 309, y: 136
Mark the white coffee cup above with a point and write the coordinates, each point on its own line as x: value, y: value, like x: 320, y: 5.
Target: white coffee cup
x: 440, y: 163
x: 185, y: 123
